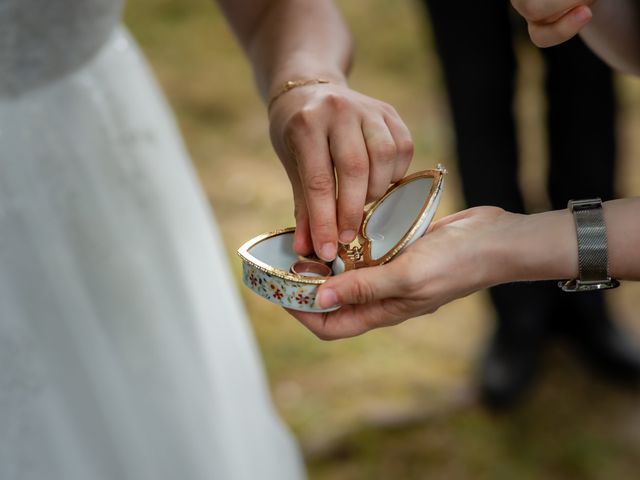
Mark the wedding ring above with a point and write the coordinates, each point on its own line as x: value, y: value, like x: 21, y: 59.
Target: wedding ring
x: 310, y: 268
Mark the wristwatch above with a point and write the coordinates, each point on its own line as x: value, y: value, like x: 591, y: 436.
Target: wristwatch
x: 593, y: 259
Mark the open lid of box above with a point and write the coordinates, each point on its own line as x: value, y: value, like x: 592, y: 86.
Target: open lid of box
x: 394, y: 221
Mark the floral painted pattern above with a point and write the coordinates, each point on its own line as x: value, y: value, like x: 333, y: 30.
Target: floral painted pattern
x: 287, y: 293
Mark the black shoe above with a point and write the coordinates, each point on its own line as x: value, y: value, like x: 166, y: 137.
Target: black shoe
x: 512, y: 360
x: 511, y: 363
x: 609, y: 350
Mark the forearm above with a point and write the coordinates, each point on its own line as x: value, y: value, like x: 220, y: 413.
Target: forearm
x: 544, y: 246
x: 290, y: 40
x: 623, y: 234
x: 466, y: 252
x: 614, y: 33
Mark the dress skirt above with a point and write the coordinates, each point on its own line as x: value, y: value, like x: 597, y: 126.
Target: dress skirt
x: 125, y: 353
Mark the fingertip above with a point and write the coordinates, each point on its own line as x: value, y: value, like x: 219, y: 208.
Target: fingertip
x: 324, y: 237
x: 351, y: 206
x: 582, y: 14
x: 347, y: 236
x: 302, y: 248
x: 326, y: 298
x: 375, y: 196
x: 328, y: 251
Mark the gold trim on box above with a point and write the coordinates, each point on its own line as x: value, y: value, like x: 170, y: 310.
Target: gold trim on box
x: 438, y: 175
x: 243, y: 252
x: 365, y: 245
x: 346, y: 252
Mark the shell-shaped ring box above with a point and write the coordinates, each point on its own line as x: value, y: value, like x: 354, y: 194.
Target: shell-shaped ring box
x: 274, y: 271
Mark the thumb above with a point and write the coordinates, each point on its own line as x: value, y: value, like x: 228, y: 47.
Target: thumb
x: 365, y: 285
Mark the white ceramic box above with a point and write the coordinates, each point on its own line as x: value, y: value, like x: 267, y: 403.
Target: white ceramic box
x: 274, y: 271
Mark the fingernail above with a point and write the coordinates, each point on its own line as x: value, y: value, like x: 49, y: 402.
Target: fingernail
x: 328, y: 251
x: 347, y: 236
x: 326, y: 298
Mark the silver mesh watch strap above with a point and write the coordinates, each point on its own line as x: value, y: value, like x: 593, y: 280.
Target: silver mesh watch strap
x: 593, y: 260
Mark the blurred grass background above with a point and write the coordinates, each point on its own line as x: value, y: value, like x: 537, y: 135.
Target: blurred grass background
x: 395, y: 403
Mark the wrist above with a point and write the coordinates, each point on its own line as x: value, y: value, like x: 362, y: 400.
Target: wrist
x: 301, y: 73
x: 292, y: 84
x: 540, y: 246
x: 623, y: 236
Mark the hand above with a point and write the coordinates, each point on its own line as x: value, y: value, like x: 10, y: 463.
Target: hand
x: 459, y: 255
x: 554, y: 21
x: 318, y: 128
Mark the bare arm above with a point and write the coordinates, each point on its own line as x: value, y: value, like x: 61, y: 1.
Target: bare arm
x: 466, y: 252
x: 341, y: 149
x: 290, y: 39
x: 544, y: 246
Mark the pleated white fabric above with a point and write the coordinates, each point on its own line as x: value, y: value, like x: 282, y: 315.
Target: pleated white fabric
x: 125, y: 353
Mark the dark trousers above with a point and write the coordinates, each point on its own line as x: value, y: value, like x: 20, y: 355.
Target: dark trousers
x: 474, y: 40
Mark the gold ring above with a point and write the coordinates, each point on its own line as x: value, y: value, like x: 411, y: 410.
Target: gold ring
x: 310, y: 268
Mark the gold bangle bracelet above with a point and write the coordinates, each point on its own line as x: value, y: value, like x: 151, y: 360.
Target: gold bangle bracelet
x: 291, y: 84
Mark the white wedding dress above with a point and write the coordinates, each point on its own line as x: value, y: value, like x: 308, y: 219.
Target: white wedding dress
x: 125, y: 353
